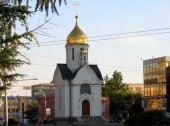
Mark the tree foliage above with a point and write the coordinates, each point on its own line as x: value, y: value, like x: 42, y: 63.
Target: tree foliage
x: 122, y: 101
x: 32, y: 111
x: 10, y: 42
x: 147, y: 118
x: 13, y: 12
x: 114, y: 84
x: 40, y: 5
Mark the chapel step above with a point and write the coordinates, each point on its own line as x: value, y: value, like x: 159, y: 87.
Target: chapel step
x: 94, y: 121
x: 82, y: 121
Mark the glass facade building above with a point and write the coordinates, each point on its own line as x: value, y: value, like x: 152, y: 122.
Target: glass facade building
x: 156, y: 73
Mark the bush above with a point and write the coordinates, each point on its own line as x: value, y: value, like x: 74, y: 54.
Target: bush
x: 153, y: 117
x: 167, y: 121
x: 47, y: 121
x: 12, y: 122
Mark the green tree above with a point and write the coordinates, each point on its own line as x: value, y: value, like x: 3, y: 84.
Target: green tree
x: 114, y: 84
x: 32, y: 111
x: 148, y: 118
x: 116, y: 91
x: 13, y: 12
x: 135, y: 103
x: 40, y: 5
x: 122, y: 101
x: 10, y: 42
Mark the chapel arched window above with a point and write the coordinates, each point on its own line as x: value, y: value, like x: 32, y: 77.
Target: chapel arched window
x: 85, y: 88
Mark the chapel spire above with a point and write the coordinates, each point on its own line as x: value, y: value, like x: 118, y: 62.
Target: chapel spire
x: 76, y: 47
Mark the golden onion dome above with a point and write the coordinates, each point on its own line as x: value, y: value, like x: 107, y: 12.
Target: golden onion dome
x: 77, y: 36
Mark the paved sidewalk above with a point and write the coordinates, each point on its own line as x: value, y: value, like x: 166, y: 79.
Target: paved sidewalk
x: 116, y: 124
x: 110, y: 124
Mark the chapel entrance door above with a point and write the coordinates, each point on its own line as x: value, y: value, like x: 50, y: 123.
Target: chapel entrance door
x: 85, y: 108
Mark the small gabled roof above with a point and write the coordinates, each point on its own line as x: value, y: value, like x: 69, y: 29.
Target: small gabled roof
x: 67, y: 73
x: 97, y: 71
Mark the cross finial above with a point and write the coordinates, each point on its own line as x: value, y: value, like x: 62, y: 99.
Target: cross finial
x: 76, y: 4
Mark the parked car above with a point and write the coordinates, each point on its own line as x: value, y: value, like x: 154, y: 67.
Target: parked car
x: 25, y: 121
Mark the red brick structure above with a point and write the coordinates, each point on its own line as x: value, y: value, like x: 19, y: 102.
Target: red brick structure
x: 49, y: 107
x: 106, y: 108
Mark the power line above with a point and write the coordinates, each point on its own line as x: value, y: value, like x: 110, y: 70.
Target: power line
x: 124, y: 33
x: 121, y: 37
x: 118, y: 34
x: 47, y: 45
x: 160, y: 29
x: 44, y: 56
x: 41, y: 77
x: 104, y: 65
x: 44, y: 65
x: 123, y: 68
x: 53, y: 41
x: 140, y: 72
x: 119, y: 67
x: 158, y: 33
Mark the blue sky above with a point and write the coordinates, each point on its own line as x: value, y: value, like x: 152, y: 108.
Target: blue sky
x: 98, y: 18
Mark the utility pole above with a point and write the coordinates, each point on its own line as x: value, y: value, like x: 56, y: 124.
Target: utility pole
x: 6, y: 108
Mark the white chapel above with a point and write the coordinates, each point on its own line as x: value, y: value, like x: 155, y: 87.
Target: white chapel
x: 77, y: 83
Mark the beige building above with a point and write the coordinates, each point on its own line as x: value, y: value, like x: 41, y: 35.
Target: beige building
x: 12, y: 108
x: 17, y: 105
x: 1, y: 109
x: 23, y: 101
x: 136, y: 88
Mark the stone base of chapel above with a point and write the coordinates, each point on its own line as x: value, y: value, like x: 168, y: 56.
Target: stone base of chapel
x: 81, y: 121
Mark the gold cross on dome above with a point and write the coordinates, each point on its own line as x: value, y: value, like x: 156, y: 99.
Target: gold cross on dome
x: 76, y: 4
